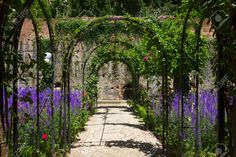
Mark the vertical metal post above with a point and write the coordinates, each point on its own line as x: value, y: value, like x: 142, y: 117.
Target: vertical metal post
x: 15, y: 96
x: 65, y: 101
x: 64, y: 111
x: 37, y: 82
x: 220, y: 93
x: 166, y: 102
x: 197, y: 123
x: 163, y: 110
x: 37, y: 96
x: 68, y: 106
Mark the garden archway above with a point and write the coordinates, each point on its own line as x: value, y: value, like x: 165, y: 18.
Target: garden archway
x: 99, y: 62
x: 145, y: 27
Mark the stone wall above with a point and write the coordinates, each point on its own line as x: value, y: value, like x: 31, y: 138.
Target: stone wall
x: 110, y: 86
x: 113, y: 80
x: 113, y: 77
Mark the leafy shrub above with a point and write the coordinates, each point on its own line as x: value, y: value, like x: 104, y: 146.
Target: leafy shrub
x: 78, y: 122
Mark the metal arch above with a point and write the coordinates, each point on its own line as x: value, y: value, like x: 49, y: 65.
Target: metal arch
x: 110, y: 53
x: 92, y: 25
x: 116, y: 59
x: 94, y: 67
x: 124, y: 60
x: 102, y: 63
x: 151, y: 33
x: 95, y: 49
x: 107, y: 43
x: 15, y: 32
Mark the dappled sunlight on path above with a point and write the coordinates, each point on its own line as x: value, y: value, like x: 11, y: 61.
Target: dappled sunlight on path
x: 114, y: 131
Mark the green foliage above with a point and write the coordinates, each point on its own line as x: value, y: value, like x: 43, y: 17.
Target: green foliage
x: 45, y: 67
x: 167, y: 32
x: 145, y: 114
x: 154, y: 123
x: 78, y: 122
x: 98, y: 8
x: 27, y: 131
x: 29, y: 150
x: 28, y: 144
x: 68, y: 26
x: 157, y: 39
x: 140, y: 111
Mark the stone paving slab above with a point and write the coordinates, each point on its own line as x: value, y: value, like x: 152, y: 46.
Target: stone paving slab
x: 114, y: 131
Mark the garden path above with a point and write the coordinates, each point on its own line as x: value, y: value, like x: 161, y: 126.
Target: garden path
x: 114, y: 131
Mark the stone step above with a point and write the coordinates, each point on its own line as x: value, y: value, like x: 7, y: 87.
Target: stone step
x: 100, y: 101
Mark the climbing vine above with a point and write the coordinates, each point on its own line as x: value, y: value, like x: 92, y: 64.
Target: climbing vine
x: 150, y: 47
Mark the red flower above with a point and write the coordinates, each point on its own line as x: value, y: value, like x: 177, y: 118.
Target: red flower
x: 44, y: 136
x: 145, y: 58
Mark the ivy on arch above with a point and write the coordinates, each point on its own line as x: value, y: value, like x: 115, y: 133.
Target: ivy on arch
x: 9, y: 37
x: 158, y: 42
x: 98, y: 62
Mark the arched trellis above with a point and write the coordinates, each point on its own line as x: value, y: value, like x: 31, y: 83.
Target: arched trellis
x: 99, y: 62
x: 66, y: 75
x: 164, y: 73
x: 208, y: 9
x: 65, y: 70
x: 14, y: 34
x: 141, y: 25
x: 103, y: 44
x: 145, y: 27
x: 113, y: 55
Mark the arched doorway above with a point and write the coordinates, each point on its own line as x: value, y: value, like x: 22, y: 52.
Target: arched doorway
x: 113, y: 77
x: 128, y: 91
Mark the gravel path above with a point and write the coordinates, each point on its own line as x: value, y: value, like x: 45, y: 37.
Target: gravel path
x: 114, y: 131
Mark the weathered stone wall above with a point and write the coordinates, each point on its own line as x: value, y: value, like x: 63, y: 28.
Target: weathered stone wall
x: 113, y: 77
x: 27, y: 49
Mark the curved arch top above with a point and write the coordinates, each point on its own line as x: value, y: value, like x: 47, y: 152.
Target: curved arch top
x: 143, y: 25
